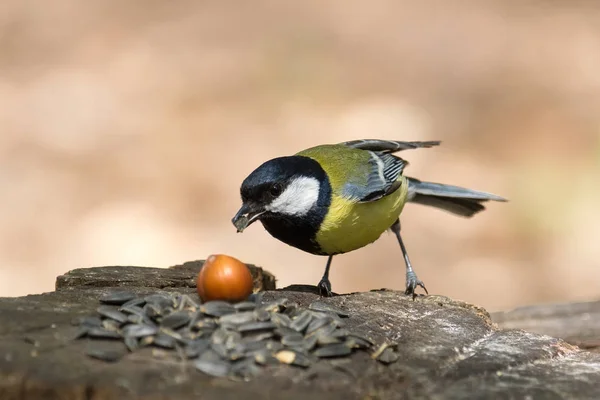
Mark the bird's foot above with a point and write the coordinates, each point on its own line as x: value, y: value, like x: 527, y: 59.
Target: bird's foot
x: 411, y: 284
x: 325, y: 288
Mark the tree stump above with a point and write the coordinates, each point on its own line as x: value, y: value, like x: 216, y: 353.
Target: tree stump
x: 447, y: 350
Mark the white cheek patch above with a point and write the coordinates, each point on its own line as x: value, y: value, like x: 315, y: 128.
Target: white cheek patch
x: 298, y: 198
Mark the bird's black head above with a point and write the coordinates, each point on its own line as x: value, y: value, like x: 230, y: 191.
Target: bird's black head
x: 286, y: 194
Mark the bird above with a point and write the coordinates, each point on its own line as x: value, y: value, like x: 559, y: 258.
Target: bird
x: 336, y: 198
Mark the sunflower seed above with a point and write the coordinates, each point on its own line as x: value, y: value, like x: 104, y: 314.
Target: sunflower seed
x: 325, y: 330
x: 264, y: 357
x: 245, y: 306
x: 146, y: 341
x: 357, y: 343
x: 152, y: 310
x: 333, y: 350
x: 136, y: 319
x: 187, y: 334
x: 328, y: 308
x: 160, y: 300
x: 233, y: 338
x: 318, y: 323
x: 274, y: 346
x: 187, y: 302
x: 137, y: 302
x: 175, y: 335
x: 388, y: 356
x: 111, y: 325
x: 214, y: 368
x: 319, y: 314
x: 293, y: 340
x: 220, y: 349
x: 112, y: 313
x: 236, y: 354
x: 341, y: 333
x: 363, y: 338
x: 301, y: 321
x: 131, y: 343
x: 81, y: 333
x: 101, y: 333
x: 217, y: 308
x: 165, y: 341
x: 132, y: 310
x: 194, y: 349
x: 284, y: 331
x: 381, y: 349
x: 175, y: 320
x: 205, y: 324
x: 262, y: 315
x: 281, y: 320
x: 238, y: 318
x: 257, y: 337
x: 291, y: 309
x: 117, y: 298
x: 310, y: 342
x: 275, y: 305
x: 219, y: 336
x: 167, y: 310
x: 139, y: 331
x: 256, y: 326
x: 246, y: 368
x: 89, y: 321
x: 105, y: 355
x: 210, y: 355
x: 251, y: 346
x: 293, y: 358
x: 323, y: 340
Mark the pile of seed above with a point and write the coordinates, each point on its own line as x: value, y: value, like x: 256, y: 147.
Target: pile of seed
x: 224, y: 339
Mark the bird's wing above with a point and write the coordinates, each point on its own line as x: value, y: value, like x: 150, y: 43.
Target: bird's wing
x: 382, y: 173
x: 387, y: 146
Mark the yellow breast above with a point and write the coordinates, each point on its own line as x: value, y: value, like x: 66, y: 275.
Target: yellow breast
x: 349, y: 226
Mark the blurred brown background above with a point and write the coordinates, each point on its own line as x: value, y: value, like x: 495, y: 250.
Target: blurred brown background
x: 127, y: 128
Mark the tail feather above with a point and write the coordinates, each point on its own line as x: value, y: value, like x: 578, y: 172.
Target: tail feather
x: 454, y: 199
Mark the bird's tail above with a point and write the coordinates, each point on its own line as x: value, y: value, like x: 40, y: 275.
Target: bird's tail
x: 454, y: 199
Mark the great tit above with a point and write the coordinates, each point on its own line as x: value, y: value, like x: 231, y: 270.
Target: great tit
x: 336, y: 198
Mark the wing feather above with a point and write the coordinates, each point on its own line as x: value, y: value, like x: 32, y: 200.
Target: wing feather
x: 383, y: 173
x: 388, y: 146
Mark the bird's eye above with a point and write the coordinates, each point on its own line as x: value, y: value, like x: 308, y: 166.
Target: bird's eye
x: 276, y: 190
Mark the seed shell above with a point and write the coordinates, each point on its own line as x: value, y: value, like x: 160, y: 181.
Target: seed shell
x: 139, y: 330
x: 245, y: 306
x: 256, y: 326
x: 388, y: 356
x: 105, y: 355
x: 328, y: 308
x: 176, y: 320
x: 112, y: 313
x: 117, y: 298
x: 217, y: 308
x: 101, y: 333
x: 215, y: 368
x: 293, y: 358
x: 300, y: 323
x: 333, y: 350
x: 238, y: 318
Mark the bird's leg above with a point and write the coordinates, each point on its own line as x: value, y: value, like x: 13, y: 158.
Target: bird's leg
x: 324, y: 285
x: 412, y: 281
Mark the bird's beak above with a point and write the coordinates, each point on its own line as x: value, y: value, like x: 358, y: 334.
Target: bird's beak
x: 246, y: 216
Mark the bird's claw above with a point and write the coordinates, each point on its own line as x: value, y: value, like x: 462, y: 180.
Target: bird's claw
x: 324, y: 287
x: 411, y: 284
